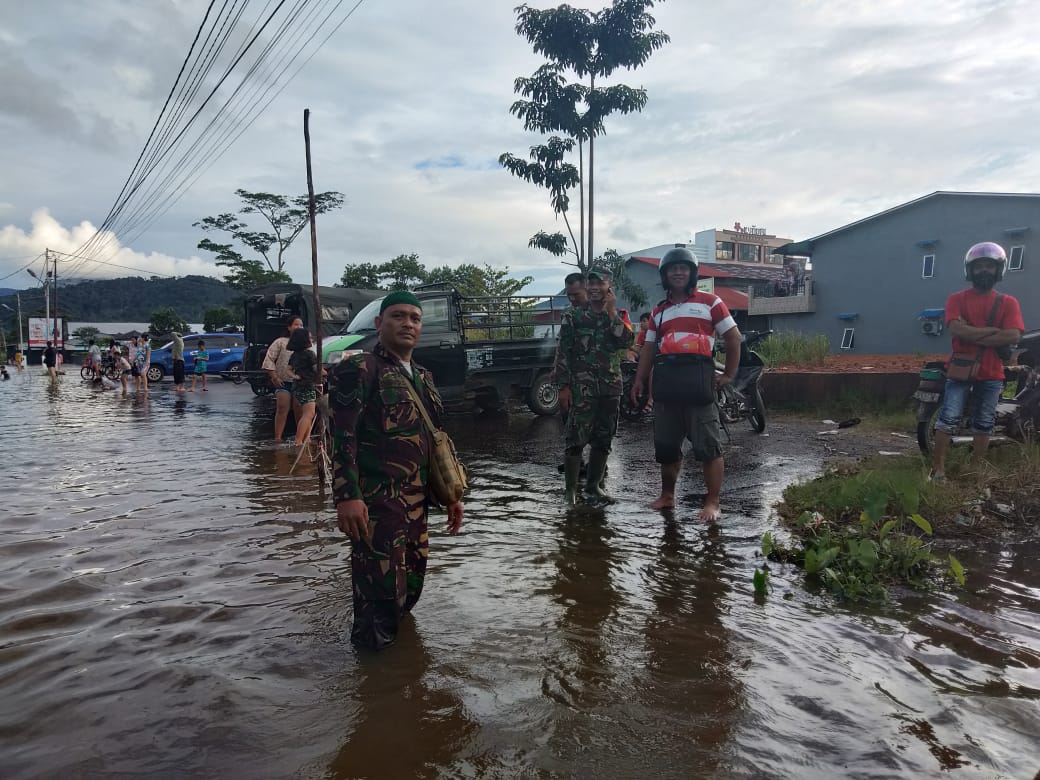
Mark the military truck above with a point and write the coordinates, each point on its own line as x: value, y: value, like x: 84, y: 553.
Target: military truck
x: 483, y: 351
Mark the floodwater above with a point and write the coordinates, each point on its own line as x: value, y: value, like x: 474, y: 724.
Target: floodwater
x: 173, y: 603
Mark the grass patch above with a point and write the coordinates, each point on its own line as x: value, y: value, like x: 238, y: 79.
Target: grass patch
x: 793, y: 349
x: 861, y: 530
x: 873, y: 413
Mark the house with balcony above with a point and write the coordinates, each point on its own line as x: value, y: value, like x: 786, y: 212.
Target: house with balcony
x: 740, y: 267
x: 879, y: 285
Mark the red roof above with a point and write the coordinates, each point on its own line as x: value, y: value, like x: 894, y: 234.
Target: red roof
x: 703, y: 270
x: 734, y: 299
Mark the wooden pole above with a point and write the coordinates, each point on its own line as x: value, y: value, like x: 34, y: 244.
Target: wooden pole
x: 314, y: 234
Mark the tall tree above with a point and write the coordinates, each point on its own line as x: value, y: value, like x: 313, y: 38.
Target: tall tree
x: 164, y: 321
x: 285, y: 217
x: 591, y: 45
x: 364, y: 276
x: 476, y: 282
x: 218, y: 318
x: 403, y: 272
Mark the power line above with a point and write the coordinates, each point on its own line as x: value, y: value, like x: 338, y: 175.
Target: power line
x: 168, y: 178
x: 24, y: 267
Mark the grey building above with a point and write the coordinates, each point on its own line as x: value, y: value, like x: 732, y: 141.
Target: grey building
x: 879, y: 285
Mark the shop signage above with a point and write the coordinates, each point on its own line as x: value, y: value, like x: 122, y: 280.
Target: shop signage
x: 42, y: 330
x: 749, y: 231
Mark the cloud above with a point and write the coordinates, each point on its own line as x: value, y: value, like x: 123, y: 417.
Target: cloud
x: 800, y: 116
x: 109, y: 260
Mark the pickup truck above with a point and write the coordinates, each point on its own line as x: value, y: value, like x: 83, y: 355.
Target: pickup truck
x: 483, y: 351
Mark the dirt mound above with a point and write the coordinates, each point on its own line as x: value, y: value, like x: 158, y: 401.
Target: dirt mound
x: 858, y: 364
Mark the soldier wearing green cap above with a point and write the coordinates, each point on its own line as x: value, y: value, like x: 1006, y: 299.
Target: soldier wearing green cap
x: 381, y: 458
x: 588, y: 373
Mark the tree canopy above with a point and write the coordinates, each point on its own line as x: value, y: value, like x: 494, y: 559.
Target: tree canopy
x: 166, y: 320
x: 219, y: 317
x: 285, y: 219
x: 407, y: 271
x: 591, y: 45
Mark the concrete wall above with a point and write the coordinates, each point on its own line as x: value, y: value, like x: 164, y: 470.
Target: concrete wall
x: 874, y: 270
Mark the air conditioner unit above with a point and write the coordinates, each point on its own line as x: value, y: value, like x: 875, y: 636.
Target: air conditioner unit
x: 932, y: 327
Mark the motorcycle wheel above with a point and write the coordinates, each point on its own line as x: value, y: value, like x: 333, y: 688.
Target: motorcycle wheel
x: 629, y: 410
x: 926, y: 426
x: 757, y: 415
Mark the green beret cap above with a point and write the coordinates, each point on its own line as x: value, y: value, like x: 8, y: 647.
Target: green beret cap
x: 400, y: 296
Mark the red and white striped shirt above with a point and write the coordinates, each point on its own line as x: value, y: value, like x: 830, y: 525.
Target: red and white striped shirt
x: 689, y: 327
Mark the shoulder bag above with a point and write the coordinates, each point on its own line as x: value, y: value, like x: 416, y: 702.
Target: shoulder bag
x: 448, y: 477
x: 964, y: 366
x: 682, y: 378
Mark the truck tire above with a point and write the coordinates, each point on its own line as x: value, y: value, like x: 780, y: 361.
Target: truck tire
x: 543, y: 397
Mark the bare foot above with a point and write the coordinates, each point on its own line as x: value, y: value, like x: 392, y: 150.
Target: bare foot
x: 710, y: 514
x: 665, y: 501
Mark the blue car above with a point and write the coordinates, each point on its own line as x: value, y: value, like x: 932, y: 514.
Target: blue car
x: 225, y: 354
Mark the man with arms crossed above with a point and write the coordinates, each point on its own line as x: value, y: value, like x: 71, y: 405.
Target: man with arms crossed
x: 687, y: 316
x: 967, y: 314
x: 381, y: 456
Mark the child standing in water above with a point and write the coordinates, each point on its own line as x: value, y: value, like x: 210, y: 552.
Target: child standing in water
x: 201, y: 358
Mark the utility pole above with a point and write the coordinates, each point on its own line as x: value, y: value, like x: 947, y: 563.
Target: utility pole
x: 57, y: 333
x: 47, y: 295
x: 21, y: 348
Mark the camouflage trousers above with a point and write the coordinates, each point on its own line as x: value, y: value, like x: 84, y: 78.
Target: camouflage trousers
x: 387, y: 573
x: 591, y: 420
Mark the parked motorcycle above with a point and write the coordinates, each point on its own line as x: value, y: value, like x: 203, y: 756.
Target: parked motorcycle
x: 1017, y: 418
x: 629, y: 410
x: 742, y: 399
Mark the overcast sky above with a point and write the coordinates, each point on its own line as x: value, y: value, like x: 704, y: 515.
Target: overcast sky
x: 798, y: 117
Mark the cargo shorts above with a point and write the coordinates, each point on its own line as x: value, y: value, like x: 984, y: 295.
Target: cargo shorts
x: 674, y: 422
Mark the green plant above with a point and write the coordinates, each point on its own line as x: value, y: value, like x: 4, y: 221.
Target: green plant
x: 787, y: 349
x: 861, y: 558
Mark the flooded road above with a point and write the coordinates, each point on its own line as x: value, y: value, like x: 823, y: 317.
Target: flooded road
x: 174, y: 603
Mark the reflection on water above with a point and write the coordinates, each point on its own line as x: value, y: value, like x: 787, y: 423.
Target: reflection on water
x: 174, y: 601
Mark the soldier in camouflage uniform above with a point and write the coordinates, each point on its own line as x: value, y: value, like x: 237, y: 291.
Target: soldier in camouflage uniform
x: 588, y: 373
x: 382, y: 459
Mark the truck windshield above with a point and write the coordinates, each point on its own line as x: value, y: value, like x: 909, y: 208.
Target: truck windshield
x: 364, y: 319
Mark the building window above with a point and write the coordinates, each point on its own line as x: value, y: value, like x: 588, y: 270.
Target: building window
x: 723, y: 250
x: 928, y: 267
x: 748, y: 253
x: 846, y: 338
x: 1015, y: 260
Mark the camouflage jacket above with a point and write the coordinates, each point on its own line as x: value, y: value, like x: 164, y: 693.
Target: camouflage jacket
x: 588, y: 357
x: 382, y: 448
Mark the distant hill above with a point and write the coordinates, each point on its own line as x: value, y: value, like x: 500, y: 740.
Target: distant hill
x: 131, y: 299
x: 5, y: 291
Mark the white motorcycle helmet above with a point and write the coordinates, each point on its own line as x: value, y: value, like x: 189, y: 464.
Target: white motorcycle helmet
x: 987, y: 250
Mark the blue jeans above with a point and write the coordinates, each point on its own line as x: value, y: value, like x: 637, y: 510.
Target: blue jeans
x: 984, y: 393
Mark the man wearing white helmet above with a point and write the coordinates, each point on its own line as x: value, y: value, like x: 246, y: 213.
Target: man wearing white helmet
x: 981, y: 321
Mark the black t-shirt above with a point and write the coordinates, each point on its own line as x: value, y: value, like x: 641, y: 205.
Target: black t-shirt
x: 49, y: 357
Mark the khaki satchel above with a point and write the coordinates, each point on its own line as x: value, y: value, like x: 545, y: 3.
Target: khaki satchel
x: 965, y: 366
x: 448, y: 477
